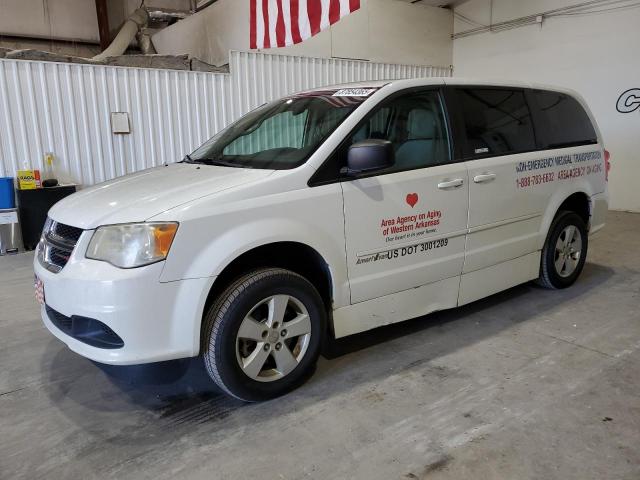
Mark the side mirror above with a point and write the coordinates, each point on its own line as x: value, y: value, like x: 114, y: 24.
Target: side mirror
x: 368, y: 156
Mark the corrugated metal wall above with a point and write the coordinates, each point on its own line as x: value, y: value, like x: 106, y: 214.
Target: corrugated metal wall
x: 66, y: 108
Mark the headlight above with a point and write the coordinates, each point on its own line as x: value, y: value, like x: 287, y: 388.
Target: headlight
x: 47, y: 226
x: 132, y: 245
x: 45, y: 229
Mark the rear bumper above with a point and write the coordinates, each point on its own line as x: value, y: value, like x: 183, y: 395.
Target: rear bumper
x: 155, y: 321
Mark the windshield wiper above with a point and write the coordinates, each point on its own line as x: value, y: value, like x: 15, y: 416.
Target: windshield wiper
x: 213, y: 161
x: 207, y: 161
x: 217, y: 160
x: 221, y: 163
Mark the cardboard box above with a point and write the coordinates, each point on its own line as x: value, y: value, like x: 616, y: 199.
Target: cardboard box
x: 29, y: 179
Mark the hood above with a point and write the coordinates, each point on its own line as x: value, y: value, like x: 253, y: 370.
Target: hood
x: 137, y: 197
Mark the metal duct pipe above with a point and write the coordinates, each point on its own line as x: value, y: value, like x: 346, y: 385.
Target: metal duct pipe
x: 127, y: 33
x: 166, y: 15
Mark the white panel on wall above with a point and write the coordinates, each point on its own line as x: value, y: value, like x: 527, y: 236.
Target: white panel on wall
x: 596, y: 55
x: 66, y: 108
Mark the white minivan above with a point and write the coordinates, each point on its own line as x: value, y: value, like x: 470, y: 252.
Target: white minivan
x: 325, y: 213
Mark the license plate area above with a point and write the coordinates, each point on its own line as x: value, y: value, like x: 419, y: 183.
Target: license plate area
x: 39, y: 286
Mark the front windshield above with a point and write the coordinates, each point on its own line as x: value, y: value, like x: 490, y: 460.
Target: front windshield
x: 281, y: 134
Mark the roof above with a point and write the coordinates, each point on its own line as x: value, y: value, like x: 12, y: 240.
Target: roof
x: 447, y: 80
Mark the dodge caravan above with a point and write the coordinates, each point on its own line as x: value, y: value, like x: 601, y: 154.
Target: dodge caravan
x: 325, y: 213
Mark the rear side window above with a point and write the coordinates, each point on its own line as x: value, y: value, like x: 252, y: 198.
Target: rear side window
x: 497, y: 121
x: 564, y: 121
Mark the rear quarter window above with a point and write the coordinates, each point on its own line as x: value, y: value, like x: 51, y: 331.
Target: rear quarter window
x: 563, y: 120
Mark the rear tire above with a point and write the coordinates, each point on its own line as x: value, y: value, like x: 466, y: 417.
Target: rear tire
x: 262, y: 337
x: 564, y: 252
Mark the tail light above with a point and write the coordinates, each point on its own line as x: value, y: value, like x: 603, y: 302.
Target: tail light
x: 607, y: 164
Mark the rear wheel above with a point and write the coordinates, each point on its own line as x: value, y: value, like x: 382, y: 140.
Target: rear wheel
x: 262, y: 337
x: 564, y: 252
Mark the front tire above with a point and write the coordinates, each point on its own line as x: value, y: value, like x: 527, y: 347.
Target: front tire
x: 564, y: 252
x: 262, y: 337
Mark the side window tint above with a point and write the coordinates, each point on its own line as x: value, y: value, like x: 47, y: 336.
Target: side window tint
x: 497, y: 121
x: 415, y: 125
x: 565, y: 122
x: 375, y: 126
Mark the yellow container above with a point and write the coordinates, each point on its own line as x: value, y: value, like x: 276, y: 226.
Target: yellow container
x: 29, y: 179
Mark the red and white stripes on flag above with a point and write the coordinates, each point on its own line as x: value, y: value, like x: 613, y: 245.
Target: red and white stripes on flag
x: 280, y: 23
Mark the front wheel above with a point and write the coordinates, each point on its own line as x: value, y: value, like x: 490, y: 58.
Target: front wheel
x: 262, y: 337
x: 564, y: 252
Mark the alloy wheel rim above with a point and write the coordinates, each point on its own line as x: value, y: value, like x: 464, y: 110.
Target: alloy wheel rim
x: 273, y: 338
x: 568, y: 251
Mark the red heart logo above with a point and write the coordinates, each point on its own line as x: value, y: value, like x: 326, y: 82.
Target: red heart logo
x: 412, y: 199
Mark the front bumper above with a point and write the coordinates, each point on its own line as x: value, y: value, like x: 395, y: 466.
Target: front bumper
x: 156, y: 321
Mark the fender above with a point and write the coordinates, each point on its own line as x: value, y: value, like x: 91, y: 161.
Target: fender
x: 212, y: 258
x: 557, y: 199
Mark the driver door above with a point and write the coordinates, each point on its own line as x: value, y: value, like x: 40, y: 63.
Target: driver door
x: 405, y: 226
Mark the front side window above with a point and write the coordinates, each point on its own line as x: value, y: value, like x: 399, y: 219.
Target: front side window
x: 415, y: 125
x: 279, y: 135
x: 565, y: 122
x: 497, y: 121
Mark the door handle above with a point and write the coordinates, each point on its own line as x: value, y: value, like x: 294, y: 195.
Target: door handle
x: 484, y: 178
x: 445, y: 185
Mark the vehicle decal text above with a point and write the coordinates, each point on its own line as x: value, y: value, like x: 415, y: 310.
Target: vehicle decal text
x: 410, y: 226
x: 571, y: 166
x: 401, y: 252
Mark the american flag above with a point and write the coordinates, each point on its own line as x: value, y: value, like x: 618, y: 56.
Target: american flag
x: 280, y: 23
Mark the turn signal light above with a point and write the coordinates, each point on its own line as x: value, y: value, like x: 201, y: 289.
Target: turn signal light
x: 163, y: 235
x: 607, y: 164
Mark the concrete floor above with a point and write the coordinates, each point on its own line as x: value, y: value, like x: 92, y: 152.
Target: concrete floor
x: 529, y: 383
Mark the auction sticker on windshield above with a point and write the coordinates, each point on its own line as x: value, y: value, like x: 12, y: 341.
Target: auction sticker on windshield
x: 354, y: 92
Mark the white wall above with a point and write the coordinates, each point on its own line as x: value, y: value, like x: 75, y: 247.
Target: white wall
x: 65, y: 108
x: 56, y: 19
x: 597, y: 55
x: 73, y: 20
x: 381, y: 31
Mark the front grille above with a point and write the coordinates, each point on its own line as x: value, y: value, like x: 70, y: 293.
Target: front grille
x: 58, y: 242
x: 65, y: 232
x: 87, y: 330
x: 59, y: 256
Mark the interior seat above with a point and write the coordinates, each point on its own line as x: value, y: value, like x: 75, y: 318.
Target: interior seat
x: 419, y: 150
